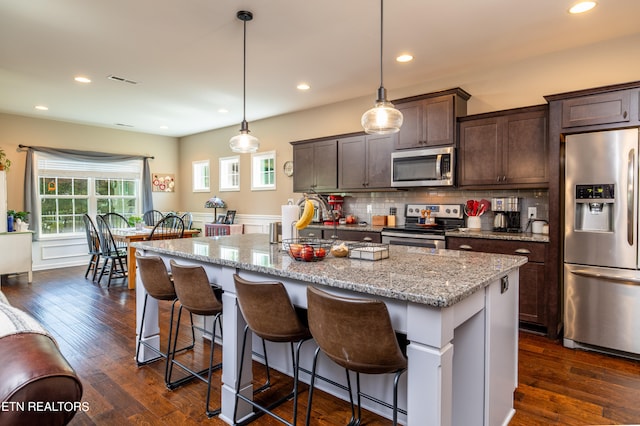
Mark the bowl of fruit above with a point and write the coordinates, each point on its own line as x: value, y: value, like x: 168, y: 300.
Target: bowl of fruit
x: 307, y: 249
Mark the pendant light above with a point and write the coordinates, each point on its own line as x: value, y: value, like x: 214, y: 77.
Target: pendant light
x: 244, y: 142
x: 383, y: 118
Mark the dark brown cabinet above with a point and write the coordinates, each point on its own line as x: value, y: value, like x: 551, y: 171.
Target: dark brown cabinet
x: 329, y: 233
x: 430, y: 120
x: 604, y: 108
x: 533, y: 285
x: 364, y: 162
x: 506, y: 148
x: 315, y: 165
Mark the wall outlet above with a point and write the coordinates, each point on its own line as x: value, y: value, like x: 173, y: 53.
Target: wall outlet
x: 532, y: 212
x: 369, y: 208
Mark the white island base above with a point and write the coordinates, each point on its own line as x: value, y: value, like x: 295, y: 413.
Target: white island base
x: 462, y: 358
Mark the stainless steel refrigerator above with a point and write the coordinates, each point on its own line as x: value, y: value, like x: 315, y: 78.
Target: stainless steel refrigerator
x: 601, y: 262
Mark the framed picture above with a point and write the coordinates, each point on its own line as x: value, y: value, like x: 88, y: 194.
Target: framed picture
x: 221, y: 218
x: 231, y: 215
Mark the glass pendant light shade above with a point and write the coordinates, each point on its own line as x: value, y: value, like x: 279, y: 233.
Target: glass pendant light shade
x: 383, y: 118
x: 243, y: 142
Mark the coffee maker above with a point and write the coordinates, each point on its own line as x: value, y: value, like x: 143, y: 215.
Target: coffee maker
x: 506, y: 214
x: 335, y: 204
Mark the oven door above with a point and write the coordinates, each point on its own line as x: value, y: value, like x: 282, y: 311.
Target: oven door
x: 413, y: 240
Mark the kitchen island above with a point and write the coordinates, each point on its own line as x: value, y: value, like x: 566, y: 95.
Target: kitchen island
x: 457, y: 310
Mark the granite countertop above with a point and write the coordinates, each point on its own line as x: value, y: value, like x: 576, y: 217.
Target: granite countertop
x: 427, y: 276
x: 508, y: 236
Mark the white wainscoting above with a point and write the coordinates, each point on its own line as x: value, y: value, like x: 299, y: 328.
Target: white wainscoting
x: 62, y: 253
x: 253, y: 223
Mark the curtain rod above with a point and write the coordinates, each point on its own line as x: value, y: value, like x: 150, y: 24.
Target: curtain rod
x: 21, y: 147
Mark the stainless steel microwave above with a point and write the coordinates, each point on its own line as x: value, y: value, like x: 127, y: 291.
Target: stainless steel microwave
x: 423, y: 167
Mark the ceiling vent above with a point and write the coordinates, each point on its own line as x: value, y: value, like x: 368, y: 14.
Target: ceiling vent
x: 121, y: 79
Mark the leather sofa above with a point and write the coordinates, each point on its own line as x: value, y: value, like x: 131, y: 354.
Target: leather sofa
x: 37, y: 384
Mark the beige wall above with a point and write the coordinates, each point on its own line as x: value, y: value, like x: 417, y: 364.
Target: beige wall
x: 274, y: 135
x: 18, y: 130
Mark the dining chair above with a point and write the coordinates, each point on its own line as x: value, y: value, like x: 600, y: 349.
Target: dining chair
x: 357, y: 335
x: 169, y: 227
x: 151, y: 217
x: 187, y: 218
x: 115, y: 220
x: 114, y: 252
x: 93, y: 243
x: 198, y: 297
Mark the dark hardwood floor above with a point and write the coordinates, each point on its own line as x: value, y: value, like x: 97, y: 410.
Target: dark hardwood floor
x: 94, y: 327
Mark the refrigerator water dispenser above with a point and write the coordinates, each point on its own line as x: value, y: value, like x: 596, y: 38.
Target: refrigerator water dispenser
x: 594, y: 208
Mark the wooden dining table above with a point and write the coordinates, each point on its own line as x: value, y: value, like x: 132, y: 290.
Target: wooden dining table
x: 130, y: 235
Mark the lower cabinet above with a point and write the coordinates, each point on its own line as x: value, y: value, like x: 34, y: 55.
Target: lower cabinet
x: 341, y: 234
x: 533, y: 290
x: 16, y: 256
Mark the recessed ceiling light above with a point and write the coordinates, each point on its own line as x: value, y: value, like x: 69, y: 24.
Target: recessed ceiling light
x: 81, y: 79
x: 42, y: 108
x: 303, y: 86
x: 583, y: 6
x: 404, y: 58
x: 223, y: 110
x: 164, y: 127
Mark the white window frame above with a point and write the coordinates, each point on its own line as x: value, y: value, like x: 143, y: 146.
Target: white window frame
x: 229, y: 173
x: 261, y: 180
x: 201, y: 173
x: 52, y: 166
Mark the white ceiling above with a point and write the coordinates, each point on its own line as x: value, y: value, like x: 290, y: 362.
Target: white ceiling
x: 187, y: 55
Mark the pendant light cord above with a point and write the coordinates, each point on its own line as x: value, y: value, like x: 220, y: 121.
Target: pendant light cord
x: 381, y: 37
x: 244, y: 74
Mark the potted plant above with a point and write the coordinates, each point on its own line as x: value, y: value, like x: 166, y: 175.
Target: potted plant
x: 16, y: 219
x: 5, y: 163
x: 135, y: 221
x: 22, y: 216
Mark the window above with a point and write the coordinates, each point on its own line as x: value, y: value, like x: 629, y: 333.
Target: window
x: 263, y: 171
x: 230, y: 173
x: 201, y: 176
x: 68, y: 189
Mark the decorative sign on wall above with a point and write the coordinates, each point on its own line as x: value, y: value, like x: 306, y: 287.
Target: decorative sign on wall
x: 163, y: 182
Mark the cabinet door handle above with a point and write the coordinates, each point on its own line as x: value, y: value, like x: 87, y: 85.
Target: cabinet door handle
x: 465, y: 247
x: 497, y: 178
x: 312, y: 234
x: 522, y: 251
x: 624, y: 114
x: 367, y: 239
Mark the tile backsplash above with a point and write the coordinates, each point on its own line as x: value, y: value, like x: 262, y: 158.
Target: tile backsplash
x: 366, y: 205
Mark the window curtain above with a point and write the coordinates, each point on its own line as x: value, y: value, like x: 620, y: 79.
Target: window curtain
x: 31, y: 180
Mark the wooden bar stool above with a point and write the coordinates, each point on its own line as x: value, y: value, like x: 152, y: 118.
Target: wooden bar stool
x: 356, y: 334
x: 158, y: 285
x: 270, y: 315
x: 197, y: 296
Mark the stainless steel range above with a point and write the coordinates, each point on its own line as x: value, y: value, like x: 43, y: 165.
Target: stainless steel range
x: 415, y: 232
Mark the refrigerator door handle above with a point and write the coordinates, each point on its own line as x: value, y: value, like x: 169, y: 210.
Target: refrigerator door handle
x: 631, y: 202
x: 617, y: 278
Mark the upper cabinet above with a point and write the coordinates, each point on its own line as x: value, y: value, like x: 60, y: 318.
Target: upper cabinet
x: 506, y: 149
x: 364, y: 161
x: 315, y: 165
x: 430, y: 120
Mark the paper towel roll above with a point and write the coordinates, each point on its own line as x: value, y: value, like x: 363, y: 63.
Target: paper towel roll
x: 290, y: 215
